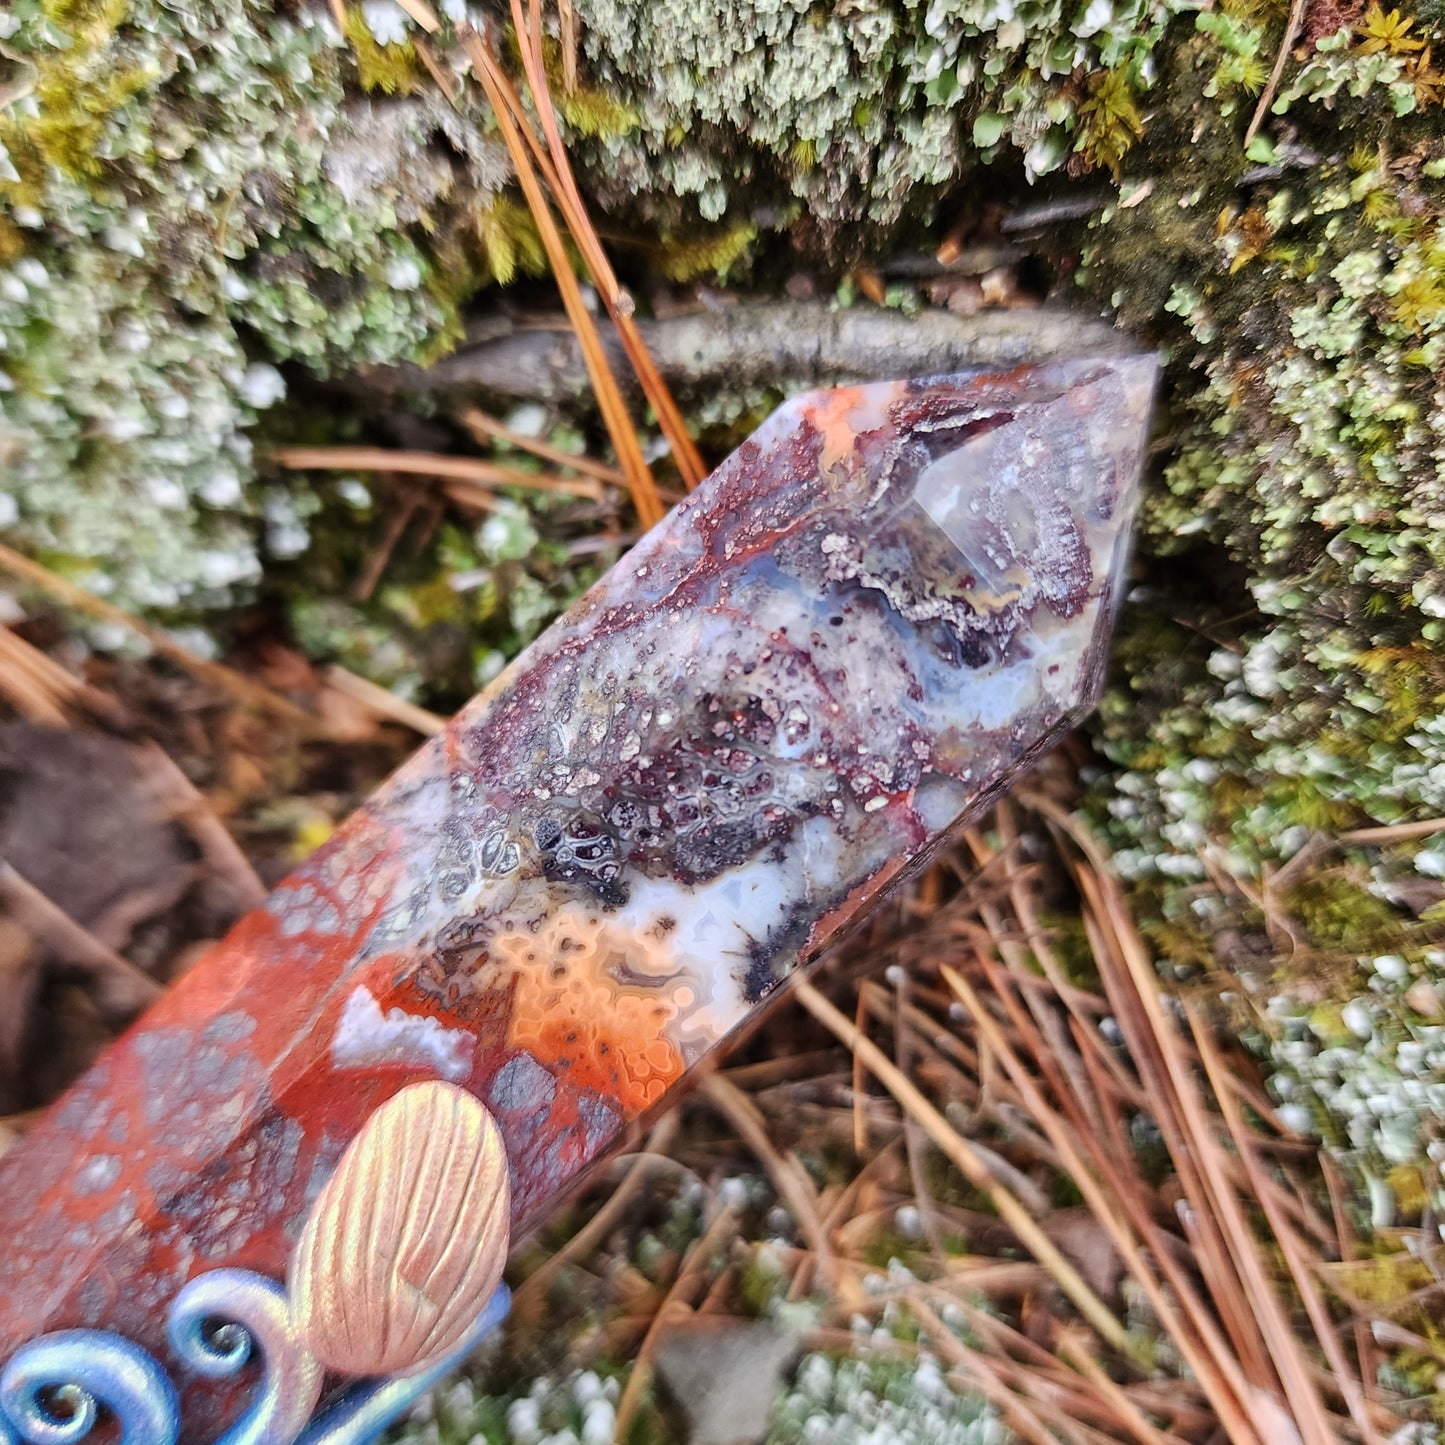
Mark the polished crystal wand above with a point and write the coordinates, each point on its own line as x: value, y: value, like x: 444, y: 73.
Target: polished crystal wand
x: 864, y: 624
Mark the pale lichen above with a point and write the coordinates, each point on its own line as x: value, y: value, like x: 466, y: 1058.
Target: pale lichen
x: 1282, y: 672
x: 873, y: 1400
x: 865, y: 111
x: 190, y: 195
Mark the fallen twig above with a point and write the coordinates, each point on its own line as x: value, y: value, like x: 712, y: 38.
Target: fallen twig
x: 591, y: 1235
x: 36, y: 686
x: 216, y: 843
x: 501, y: 96
x: 382, y: 703
x: 487, y: 428
x: 120, y: 989
x: 1271, y: 86
x: 1395, y: 832
x: 771, y: 343
x: 788, y: 1178
x: 961, y: 1154
x: 677, y: 1298
x: 619, y: 304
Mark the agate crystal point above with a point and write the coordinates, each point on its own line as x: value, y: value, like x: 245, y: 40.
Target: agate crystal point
x: 845, y: 643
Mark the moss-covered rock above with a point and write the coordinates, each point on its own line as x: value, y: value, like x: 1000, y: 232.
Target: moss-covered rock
x: 190, y: 195
x: 1282, y: 668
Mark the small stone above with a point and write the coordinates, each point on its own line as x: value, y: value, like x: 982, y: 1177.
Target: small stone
x: 724, y: 1374
x: 1426, y: 998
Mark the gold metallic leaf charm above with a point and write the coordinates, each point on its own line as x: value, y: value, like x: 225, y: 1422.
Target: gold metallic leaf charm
x: 408, y: 1239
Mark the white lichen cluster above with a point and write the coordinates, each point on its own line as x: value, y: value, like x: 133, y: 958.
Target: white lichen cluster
x: 870, y: 1398
x: 859, y: 108
x: 188, y: 196
x: 1302, y: 695
x: 874, y: 1400
x: 580, y: 1408
x: 1369, y: 1074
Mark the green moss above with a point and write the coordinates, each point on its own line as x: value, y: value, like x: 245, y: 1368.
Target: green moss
x: 1070, y: 945
x: 1302, y: 451
x: 1279, y: 673
x: 1339, y: 912
x: 595, y: 114
x: 1109, y: 120
x: 392, y: 69
x: 762, y: 1283
x: 72, y: 111
x: 715, y: 254
x: 87, y: 22
x: 69, y: 93
x: 1175, y: 935
x: 510, y: 240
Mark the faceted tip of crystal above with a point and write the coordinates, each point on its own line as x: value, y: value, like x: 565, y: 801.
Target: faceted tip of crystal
x: 1138, y: 373
x: 1121, y: 388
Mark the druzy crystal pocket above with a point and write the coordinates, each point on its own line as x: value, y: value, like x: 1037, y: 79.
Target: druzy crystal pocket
x: 847, y: 641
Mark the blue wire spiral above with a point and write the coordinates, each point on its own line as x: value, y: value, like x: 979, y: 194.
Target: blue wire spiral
x: 53, y: 1389
x: 223, y: 1318
x: 81, y: 1371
